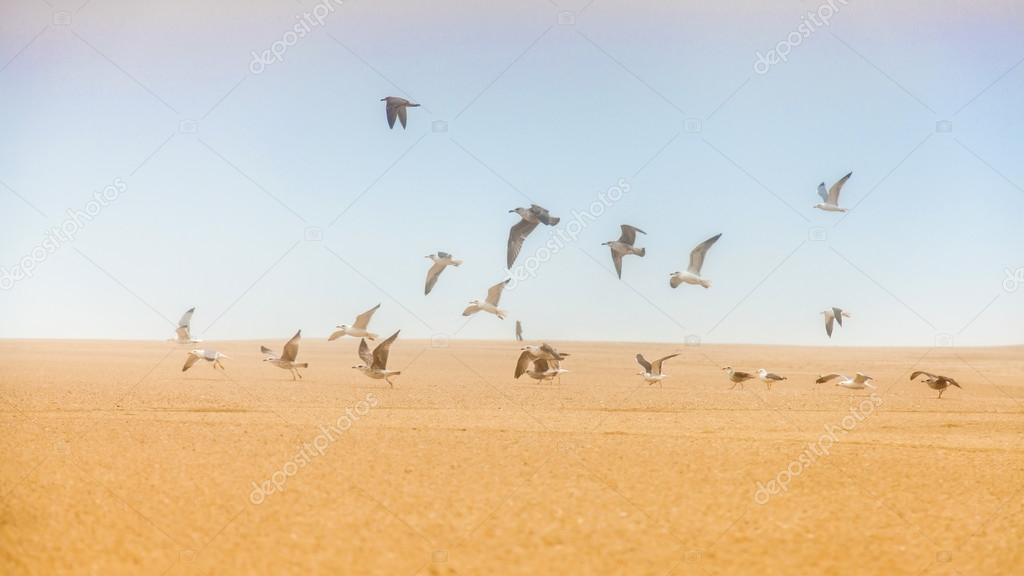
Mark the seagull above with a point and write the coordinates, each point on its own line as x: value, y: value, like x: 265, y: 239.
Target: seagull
x: 208, y: 355
x: 737, y: 377
x: 530, y: 217
x: 441, y: 261
x: 652, y: 370
x: 935, y: 381
x: 858, y: 382
x: 397, y: 107
x: 537, y: 363
x: 769, y: 378
x: 834, y: 315
x: 358, y: 328
x: 490, y: 304
x: 624, y: 246
x: 376, y: 365
x: 519, y: 331
x: 692, y: 274
x: 286, y: 361
x: 183, y: 334
x: 830, y: 199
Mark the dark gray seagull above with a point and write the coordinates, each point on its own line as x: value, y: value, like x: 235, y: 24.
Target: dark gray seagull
x: 935, y: 381
x: 529, y: 218
x: 624, y: 246
x: 396, y: 108
x: 441, y: 261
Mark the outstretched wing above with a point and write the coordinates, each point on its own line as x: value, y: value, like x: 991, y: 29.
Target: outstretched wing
x: 363, y: 320
x: 402, y: 111
x: 523, y: 363
x: 823, y: 192
x: 629, y: 234
x: 380, y: 353
x: 335, y: 335
x: 392, y: 110
x: 920, y: 372
x: 657, y: 363
x: 470, y: 310
x: 494, y: 292
x: 829, y: 322
x: 268, y: 353
x: 543, y: 215
x: 838, y: 313
x: 617, y: 260
x: 364, y: 352
x: 862, y: 378
x: 833, y: 192
x: 674, y: 281
x: 432, y: 275
x: 291, y: 348
x: 192, y: 359
x: 516, y: 236
x: 828, y: 377
x: 643, y: 363
x: 698, y: 253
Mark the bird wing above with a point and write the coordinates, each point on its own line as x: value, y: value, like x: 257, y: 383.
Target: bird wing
x: 432, y: 276
x: 380, y: 353
x: 657, y: 363
x: 829, y: 322
x: 643, y: 363
x: 363, y: 320
x: 186, y: 318
x: 268, y: 353
x: 519, y: 330
x: 516, y: 236
x: 674, y: 281
x: 183, y: 333
x: 833, y: 192
x: 629, y: 234
x: 838, y: 313
x: 827, y: 377
x: 862, y: 378
x: 470, y: 310
x: 192, y: 359
x: 920, y: 372
x: 823, y: 192
x: 291, y: 348
x: 543, y: 364
x: 523, y: 363
x: 494, y: 293
x: 698, y: 253
x: 335, y: 335
x: 364, y: 352
x: 951, y: 381
x: 402, y: 111
x: 392, y: 110
x: 550, y: 351
x: 543, y: 215
x: 617, y: 260
x: 443, y: 255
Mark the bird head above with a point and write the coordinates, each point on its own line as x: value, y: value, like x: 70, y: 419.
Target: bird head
x: 761, y: 372
x: 342, y: 326
x: 727, y: 368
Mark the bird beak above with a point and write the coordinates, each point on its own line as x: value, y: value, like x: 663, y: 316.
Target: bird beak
x: 511, y: 211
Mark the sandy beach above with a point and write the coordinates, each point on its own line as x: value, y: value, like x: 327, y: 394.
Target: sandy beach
x: 116, y: 462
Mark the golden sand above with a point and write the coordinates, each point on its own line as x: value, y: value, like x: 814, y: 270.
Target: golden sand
x: 115, y: 462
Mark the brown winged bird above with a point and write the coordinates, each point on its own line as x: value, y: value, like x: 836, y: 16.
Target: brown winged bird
x: 396, y: 108
x: 935, y: 381
x: 375, y: 365
x: 286, y: 361
x: 624, y: 246
x: 529, y: 219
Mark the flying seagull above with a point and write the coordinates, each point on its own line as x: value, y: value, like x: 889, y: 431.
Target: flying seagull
x: 652, y: 370
x: 692, y: 274
x: 529, y: 218
x: 858, y: 382
x: 624, y: 246
x: 830, y: 199
x: 358, y: 328
x: 490, y: 304
x: 519, y: 331
x: 183, y: 334
x: 769, y: 378
x: 209, y: 355
x: 737, y: 377
x: 375, y: 365
x: 833, y: 315
x: 396, y: 107
x: 441, y: 261
x: 935, y: 381
x: 540, y: 363
x: 286, y: 361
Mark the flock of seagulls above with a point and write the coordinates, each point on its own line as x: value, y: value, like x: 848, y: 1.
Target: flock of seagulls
x: 541, y: 362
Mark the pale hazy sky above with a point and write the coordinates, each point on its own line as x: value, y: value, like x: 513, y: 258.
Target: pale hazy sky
x: 225, y: 172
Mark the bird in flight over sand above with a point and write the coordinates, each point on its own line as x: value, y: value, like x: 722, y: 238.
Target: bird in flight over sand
x: 396, y: 108
x: 441, y: 261
x: 208, y: 355
x: 692, y: 274
x: 832, y: 316
x: 624, y: 246
x: 375, y: 365
x: 540, y: 363
x: 935, y: 381
x: 358, y: 328
x: 529, y: 218
x: 183, y: 334
x: 652, y: 370
x: 858, y: 382
x: 830, y: 199
x: 490, y: 304
x: 519, y: 331
x: 769, y: 378
x: 737, y: 377
x: 286, y: 361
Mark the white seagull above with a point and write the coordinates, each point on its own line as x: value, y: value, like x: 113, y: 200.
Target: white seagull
x: 490, y: 304
x: 286, y: 361
x: 935, y: 381
x: 832, y: 316
x: 208, y: 355
x: 624, y: 246
x: 692, y: 274
x: 858, y: 382
x: 652, y: 370
x: 441, y: 261
x: 737, y: 377
x: 529, y: 218
x: 830, y: 199
x: 183, y: 334
x: 396, y: 107
x: 538, y: 363
x: 358, y: 329
x: 375, y: 365
x: 769, y: 378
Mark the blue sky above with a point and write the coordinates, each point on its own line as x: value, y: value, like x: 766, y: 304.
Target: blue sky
x: 553, y: 102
